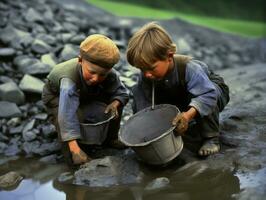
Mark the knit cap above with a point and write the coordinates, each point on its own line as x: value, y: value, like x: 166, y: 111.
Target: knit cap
x: 100, y: 50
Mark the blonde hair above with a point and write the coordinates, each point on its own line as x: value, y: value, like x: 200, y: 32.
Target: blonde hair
x: 100, y: 50
x: 148, y: 45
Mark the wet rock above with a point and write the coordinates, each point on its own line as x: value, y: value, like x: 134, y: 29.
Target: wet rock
x: 10, y: 179
x: 8, y: 109
x: 31, y: 84
x: 158, y: 183
x: 47, y: 148
x: 11, y: 92
x: 50, y: 159
x: 108, y: 171
x: 65, y: 177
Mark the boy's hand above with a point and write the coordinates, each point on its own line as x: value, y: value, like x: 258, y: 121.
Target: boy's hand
x: 181, y: 124
x: 112, y: 107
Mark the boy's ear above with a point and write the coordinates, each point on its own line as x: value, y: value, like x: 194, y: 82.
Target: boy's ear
x: 79, y: 59
x: 170, y: 55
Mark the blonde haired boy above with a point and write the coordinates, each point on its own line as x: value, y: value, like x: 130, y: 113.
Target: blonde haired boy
x: 179, y: 80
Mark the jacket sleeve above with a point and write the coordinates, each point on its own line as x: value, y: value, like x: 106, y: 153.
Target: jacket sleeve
x: 203, y: 91
x: 68, y: 105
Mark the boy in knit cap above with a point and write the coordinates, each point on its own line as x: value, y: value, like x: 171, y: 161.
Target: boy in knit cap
x: 179, y: 80
x: 80, y: 81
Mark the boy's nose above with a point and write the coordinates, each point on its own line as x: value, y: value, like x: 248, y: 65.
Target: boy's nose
x: 95, y: 78
x: 148, y: 75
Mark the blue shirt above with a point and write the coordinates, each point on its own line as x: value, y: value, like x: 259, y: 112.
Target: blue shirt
x: 203, y: 92
x: 69, y: 101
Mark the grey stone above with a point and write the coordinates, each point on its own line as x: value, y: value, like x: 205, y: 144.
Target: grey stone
x: 29, y: 126
x: 31, y: 84
x: 12, y: 150
x: 77, y: 39
x: 27, y: 41
x: 108, y: 171
x: 16, y: 130
x: 158, y: 183
x: 40, y: 47
x: 31, y: 147
x: 6, y: 79
x: 15, y: 121
x: 65, y: 37
x: 41, y: 116
x: 70, y: 27
x: 10, y: 179
x: 37, y: 68
x: 48, y: 130
x: 48, y: 59
x: 50, y: 159
x: 65, y: 177
x: 7, y: 52
x: 69, y: 51
x: 49, y: 39
x: 3, y: 138
x: 47, y: 148
x: 3, y: 147
x: 29, y: 135
x: 10, y: 33
x: 183, y: 46
x: 33, y: 16
x: 11, y: 92
x: 8, y: 110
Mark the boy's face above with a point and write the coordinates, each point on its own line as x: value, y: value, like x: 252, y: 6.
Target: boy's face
x: 92, y: 73
x: 158, y: 70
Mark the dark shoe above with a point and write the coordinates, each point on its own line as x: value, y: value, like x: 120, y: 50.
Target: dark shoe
x: 116, y: 144
x: 80, y: 158
x: 210, y: 146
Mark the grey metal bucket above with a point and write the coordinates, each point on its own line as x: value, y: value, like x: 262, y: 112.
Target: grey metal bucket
x: 150, y: 134
x: 94, y: 123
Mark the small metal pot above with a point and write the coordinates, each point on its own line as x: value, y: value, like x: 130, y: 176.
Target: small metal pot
x: 150, y: 134
x: 95, y: 123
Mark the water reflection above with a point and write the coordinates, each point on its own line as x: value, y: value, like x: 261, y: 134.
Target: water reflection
x: 192, y: 181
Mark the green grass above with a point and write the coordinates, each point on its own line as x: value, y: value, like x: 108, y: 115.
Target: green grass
x: 240, y: 27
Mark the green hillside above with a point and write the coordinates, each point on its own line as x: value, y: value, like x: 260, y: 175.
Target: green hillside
x: 241, y: 27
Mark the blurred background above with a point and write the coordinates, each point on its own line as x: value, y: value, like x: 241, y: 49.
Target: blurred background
x: 245, y: 18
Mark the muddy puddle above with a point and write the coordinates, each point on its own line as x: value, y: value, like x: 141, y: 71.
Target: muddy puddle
x: 192, y: 182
